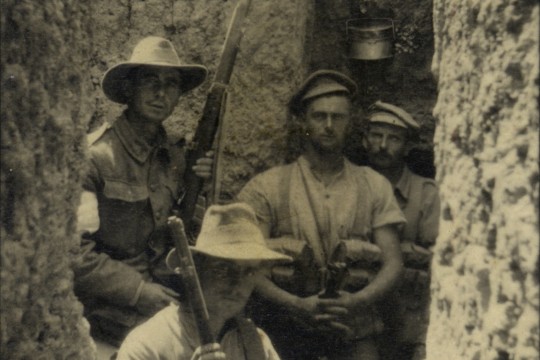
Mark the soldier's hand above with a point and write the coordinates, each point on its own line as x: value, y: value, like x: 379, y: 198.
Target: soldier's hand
x: 338, y: 313
x: 155, y: 297
x: 204, y: 166
x: 208, y: 352
x: 305, y: 311
x: 308, y: 306
x: 346, y: 302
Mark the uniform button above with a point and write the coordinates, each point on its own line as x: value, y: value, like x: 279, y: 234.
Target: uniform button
x: 158, y: 215
x: 153, y: 187
x: 327, y: 196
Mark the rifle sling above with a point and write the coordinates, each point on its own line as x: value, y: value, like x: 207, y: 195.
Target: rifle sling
x: 251, y: 340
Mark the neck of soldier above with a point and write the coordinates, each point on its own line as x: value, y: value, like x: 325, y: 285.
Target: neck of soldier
x: 143, y: 127
x: 393, y: 174
x: 217, y: 319
x: 325, y: 164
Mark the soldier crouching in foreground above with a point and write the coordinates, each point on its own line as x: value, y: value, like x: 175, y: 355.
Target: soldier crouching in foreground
x: 230, y: 256
x: 312, y: 209
x: 135, y: 179
x: 389, y: 138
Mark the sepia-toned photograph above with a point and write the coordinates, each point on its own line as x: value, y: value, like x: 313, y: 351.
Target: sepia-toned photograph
x: 269, y: 179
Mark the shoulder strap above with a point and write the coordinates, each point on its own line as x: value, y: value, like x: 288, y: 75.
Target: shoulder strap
x: 98, y: 133
x: 282, y: 210
x: 251, y: 341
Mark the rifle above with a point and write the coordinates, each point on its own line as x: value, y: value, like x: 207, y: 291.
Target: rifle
x: 212, y: 113
x: 191, y: 280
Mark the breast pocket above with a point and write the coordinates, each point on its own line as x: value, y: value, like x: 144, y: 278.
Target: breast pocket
x: 120, y: 190
x: 125, y: 215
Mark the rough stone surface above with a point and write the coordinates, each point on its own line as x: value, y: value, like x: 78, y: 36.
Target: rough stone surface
x: 485, y: 299
x: 44, y: 111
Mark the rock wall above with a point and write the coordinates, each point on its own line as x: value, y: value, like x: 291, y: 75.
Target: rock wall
x: 270, y: 65
x: 485, y: 299
x: 44, y: 111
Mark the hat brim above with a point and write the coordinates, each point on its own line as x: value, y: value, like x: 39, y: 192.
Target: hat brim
x: 242, y: 252
x: 113, y: 82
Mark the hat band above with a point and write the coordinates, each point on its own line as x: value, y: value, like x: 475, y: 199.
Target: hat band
x: 386, y: 118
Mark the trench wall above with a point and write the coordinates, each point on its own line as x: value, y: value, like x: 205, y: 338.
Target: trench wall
x: 44, y: 111
x: 485, y: 271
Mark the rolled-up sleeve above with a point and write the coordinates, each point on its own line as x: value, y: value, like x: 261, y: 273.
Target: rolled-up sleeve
x: 255, y: 196
x: 386, y: 210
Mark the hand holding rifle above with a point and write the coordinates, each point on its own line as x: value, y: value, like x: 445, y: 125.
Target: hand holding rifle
x: 211, y: 120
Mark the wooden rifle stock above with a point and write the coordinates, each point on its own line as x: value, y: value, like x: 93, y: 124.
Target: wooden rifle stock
x: 191, y: 280
x: 213, y: 109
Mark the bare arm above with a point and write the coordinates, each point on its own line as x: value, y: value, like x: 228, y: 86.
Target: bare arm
x: 392, y: 266
x: 386, y: 279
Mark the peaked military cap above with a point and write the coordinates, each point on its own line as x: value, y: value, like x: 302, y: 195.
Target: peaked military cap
x: 319, y: 83
x: 382, y: 112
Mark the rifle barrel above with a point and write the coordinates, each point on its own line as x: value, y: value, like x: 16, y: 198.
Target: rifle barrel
x: 209, y: 122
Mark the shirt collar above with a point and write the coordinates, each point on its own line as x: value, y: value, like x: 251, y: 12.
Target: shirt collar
x: 135, y: 145
x: 403, y: 185
x: 304, y: 163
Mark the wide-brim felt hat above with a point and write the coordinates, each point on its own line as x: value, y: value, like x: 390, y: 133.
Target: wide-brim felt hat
x: 319, y: 83
x: 152, y: 51
x: 230, y: 232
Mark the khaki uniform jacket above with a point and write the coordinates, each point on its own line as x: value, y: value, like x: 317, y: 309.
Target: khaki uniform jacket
x: 136, y: 186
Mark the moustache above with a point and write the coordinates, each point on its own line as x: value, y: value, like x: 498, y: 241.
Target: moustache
x: 382, y: 155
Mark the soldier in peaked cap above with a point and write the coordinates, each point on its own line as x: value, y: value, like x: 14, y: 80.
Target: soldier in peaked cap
x: 230, y: 255
x: 388, y: 140
x: 134, y: 181
x: 309, y: 210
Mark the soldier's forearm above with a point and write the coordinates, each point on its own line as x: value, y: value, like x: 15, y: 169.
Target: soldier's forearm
x: 271, y: 292
x: 391, y: 270
x: 386, y: 280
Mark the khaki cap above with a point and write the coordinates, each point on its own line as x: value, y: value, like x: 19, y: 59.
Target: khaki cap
x: 381, y: 112
x: 319, y: 83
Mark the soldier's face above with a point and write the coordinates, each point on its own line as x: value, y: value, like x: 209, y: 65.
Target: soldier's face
x: 155, y: 93
x: 327, y: 122
x: 386, y: 145
x: 227, y: 285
